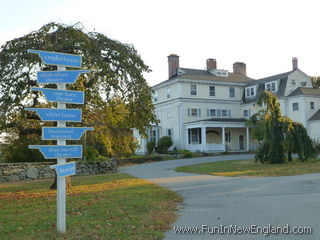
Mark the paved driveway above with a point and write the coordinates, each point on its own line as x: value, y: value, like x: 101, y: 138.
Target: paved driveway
x: 214, y: 201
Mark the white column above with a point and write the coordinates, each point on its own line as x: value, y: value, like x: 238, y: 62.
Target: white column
x: 61, y: 181
x: 203, y: 139
x: 223, y: 136
x: 248, y: 139
x: 187, y: 139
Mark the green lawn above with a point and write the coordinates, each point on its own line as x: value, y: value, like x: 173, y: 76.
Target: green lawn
x: 113, y: 206
x: 251, y: 168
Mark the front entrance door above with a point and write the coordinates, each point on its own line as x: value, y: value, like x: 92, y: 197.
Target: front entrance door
x: 241, y: 142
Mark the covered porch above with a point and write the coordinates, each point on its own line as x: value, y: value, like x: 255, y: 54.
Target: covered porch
x: 218, y: 135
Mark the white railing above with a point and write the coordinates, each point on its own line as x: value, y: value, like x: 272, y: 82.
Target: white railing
x: 215, y: 147
x: 194, y: 147
x: 208, y: 147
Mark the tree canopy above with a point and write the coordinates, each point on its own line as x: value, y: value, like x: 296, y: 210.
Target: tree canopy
x: 277, y: 134
x: 116, y: 77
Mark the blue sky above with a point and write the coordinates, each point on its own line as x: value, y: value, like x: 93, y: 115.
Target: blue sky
x: 263, y: 34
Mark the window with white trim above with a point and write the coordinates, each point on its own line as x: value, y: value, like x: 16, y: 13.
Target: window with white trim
x: 212, y: 112
x: 155, y: 97
x: 194, y: 112
x: 293, y: 82
x: 246, y: 113
x: 170, y: 132
x: 193, y: 90
x: 228, y: 136
x: 303, y: 84
x: 224, y: 113
x: 271, y: 86
x: 194, y: 136
x: 250, y: 91
x: 312, y: 105
x: 295, y: 106
x: 212, y: 91
x: 232, y: 92
x: 168, y: 93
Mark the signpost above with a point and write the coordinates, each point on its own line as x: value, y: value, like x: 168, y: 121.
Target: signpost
x: 46, y: 77
x: 53, y: 152
x: 61, y: 133
x: 54, y: 114
x: 60, y: 59
x: 54, y: 95
x: 64, y: 170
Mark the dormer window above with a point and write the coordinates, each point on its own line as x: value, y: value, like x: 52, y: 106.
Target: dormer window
x: 180, y: 71
x: 271, y: 86
x: 219, y: 72
x: 250, y: 91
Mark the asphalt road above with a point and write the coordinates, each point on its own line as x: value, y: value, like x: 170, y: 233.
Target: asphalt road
x: 211, y: 201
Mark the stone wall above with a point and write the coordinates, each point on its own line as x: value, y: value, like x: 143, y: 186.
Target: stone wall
x: 40, y: 170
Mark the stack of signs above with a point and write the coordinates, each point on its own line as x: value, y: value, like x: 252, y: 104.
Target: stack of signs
x: 61, y: 115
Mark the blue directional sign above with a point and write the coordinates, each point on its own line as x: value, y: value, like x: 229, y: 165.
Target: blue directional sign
x: 65, y: 169
x: 47, y: 77
x: 53, y: 114
x: 65, y: 96
x: 63, y: 133
x: 51, y: 152
x: 54, y: 58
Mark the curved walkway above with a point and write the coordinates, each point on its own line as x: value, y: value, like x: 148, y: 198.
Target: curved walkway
x: 214, y: 201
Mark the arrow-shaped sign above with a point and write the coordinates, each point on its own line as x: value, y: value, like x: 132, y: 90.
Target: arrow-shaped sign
x: 65, y: 96
x: 54, y: 58
x: 47, y: 77
x: 66, y: 151
x: 65, y: 169
x: 63, y: 133
x: 53, y: 114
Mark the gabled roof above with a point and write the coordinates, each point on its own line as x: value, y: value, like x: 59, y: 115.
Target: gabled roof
x: 271, y: 78
x: 315, y: 116
x: 305, y: 91
x: 198, y: 74
x: 261, y: 87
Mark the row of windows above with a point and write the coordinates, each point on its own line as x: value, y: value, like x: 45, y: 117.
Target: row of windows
x: 212, y: 112
x: 194, y: 136
x: 212, y: 91
x: 249, y: 91
x: 295, y: 106
x: 303, y: 84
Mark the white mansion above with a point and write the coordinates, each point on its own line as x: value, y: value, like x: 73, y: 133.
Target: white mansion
x: 206, y: 110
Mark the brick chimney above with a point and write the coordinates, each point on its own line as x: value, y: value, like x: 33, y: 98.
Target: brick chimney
x: 240, y: 67
x: 173, y: 64
x: 294, y: 63
x: 211, y: 64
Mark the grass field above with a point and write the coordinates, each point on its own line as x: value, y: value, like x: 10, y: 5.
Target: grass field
x: 113, y: 206
x: 251, y: 168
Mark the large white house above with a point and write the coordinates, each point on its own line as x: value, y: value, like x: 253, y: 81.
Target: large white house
x: 206, y: 110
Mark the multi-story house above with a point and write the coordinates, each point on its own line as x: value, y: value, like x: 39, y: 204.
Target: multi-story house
x: 206, y: 110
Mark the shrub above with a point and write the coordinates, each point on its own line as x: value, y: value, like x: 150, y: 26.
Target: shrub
x: 150, y: 147
x: 186, y: 154
x: 163, y: 144
x: 141, y: 159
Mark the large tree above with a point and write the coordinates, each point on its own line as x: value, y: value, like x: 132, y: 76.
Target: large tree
x: 278, y: 134
x: 116, y: 73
